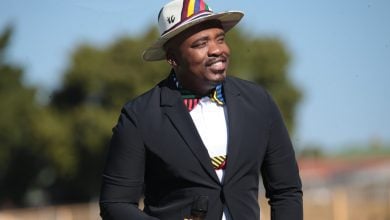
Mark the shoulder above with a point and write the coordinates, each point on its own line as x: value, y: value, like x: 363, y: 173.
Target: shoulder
x: 246, y: 88
x: 145, y: 101
x: 151, y: 101
x: 254, y: 97
x: 252, y: 94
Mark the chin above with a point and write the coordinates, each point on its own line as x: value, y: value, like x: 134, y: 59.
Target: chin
x: 217, y: 80
x: 220, y: 77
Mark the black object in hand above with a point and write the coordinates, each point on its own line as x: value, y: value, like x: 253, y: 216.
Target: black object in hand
x: 199, y: 207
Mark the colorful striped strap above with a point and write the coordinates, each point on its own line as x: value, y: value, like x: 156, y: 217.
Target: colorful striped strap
x: 217, y: 95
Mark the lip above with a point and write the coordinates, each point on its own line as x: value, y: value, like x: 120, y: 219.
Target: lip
x: 217, y: 66
x: 216, y: 60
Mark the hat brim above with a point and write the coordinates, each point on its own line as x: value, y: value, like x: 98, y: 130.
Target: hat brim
x: 156, y: 52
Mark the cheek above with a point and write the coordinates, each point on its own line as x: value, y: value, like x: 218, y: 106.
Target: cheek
x: 226, y: 50
x: 196, y: 59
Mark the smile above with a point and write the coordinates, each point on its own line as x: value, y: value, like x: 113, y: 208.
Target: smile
x: 217, y: 66
x: 219, y: 60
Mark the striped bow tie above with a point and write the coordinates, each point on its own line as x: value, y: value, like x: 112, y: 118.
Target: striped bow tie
x: 190, y: 100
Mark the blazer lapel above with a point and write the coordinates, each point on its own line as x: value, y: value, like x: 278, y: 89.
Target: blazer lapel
x: 172, y: 105
x: 234, y: 106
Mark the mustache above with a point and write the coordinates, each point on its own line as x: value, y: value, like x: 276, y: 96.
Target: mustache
x: 212, y: 60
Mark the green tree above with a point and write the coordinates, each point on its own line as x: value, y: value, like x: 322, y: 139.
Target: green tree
x: 34, y: 140
x: 95, y: 86
x: 18, y: 161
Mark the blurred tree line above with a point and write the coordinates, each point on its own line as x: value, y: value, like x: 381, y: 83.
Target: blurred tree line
x: 54, y: 152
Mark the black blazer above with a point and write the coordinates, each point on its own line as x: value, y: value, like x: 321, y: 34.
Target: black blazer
x: 156, y: 151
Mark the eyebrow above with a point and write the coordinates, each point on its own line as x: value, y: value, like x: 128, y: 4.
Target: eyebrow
x: 221, y: 33
x: 204, y: 38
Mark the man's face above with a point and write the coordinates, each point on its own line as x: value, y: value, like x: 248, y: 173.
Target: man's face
x: 202, y: 58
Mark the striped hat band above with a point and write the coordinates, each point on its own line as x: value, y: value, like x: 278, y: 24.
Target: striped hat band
x: 178, y: 11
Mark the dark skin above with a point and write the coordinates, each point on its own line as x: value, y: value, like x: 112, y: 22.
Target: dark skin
x: 199, y: 57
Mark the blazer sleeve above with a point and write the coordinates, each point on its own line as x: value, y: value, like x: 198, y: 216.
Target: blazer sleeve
x: 280, y: 171
x: 123, y: 175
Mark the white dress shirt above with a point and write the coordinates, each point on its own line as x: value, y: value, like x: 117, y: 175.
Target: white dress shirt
x: 211, y: 121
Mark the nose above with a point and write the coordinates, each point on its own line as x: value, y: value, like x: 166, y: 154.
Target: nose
x: 215, y: 49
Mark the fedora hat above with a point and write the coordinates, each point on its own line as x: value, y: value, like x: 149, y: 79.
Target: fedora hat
x: 179, y: 15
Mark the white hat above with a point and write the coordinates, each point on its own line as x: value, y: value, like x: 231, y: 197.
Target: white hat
x: 179, y: 15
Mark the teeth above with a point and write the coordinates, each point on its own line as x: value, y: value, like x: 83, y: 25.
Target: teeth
x: 218, y: 65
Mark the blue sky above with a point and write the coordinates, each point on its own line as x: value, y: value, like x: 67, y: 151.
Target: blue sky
x: 340, y: 53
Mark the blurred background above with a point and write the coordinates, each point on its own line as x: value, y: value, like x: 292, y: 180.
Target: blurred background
x: 67, y: 67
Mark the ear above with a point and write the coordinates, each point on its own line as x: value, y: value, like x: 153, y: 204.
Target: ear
x: 171, y: 59
x: 172, y: 62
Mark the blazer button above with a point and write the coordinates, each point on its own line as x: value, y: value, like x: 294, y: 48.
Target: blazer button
x: 222, y: 197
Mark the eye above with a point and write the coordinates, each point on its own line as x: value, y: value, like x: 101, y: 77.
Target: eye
x: 199, y: 44
x: 221, y: 39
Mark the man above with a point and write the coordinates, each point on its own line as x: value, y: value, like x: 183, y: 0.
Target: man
x: 196, y: 144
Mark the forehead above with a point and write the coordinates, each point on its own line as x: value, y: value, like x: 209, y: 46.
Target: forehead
x: 180, y: 38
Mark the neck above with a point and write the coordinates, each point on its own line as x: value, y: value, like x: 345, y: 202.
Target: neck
x: 197, y: 91
x: 195, y: 86
x: 198, y: 88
